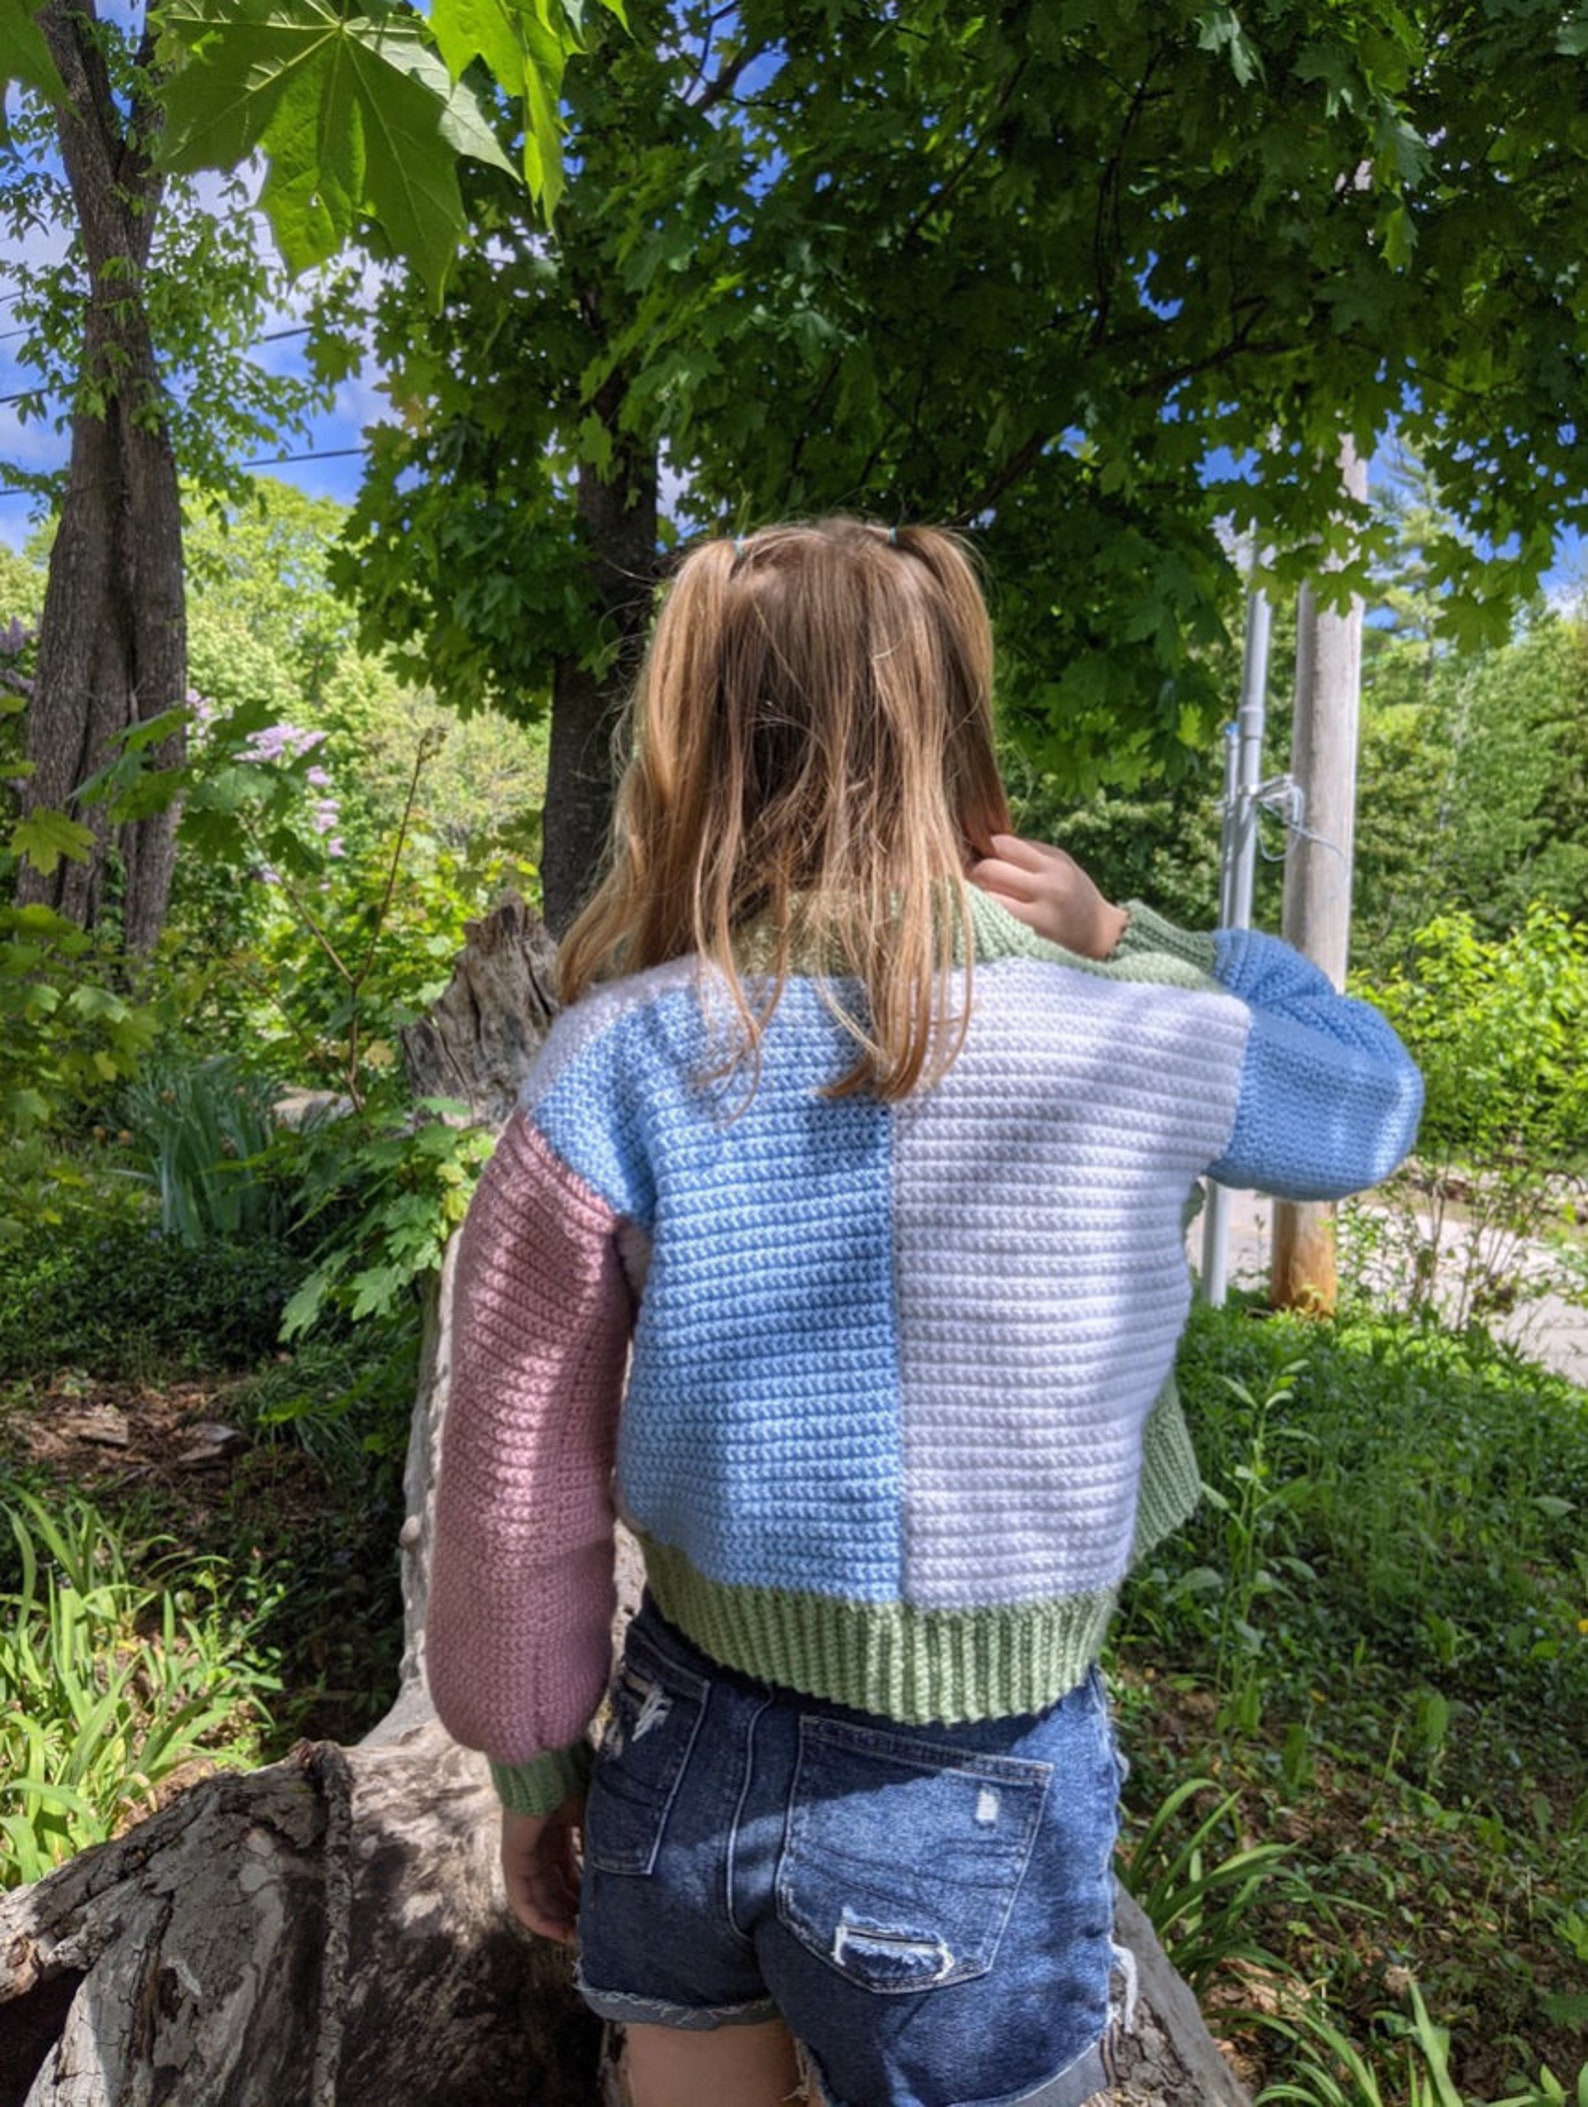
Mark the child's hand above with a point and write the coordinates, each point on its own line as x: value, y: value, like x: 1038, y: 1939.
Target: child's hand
x: 1050, y: 893
x: 541, y: 1868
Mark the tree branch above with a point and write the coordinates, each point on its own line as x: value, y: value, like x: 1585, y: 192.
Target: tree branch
x: 1106, y: 224
x: 727, y: 80
x: 945, y: 191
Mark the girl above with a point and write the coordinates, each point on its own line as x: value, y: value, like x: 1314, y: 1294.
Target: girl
x: 837, y: 1246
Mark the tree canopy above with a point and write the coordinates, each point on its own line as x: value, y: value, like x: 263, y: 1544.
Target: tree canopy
x: 1102, y: 283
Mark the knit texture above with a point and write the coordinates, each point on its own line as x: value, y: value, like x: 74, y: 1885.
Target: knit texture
x: 542, y: 1315
x: 899, y: 1411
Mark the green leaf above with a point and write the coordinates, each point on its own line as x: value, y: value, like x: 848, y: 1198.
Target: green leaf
x: 24, y: 55
x: 44, y: 837
x: 1400, y: 237
x: 526, y: 44
x: 1220, y: 30
x: 485, y: 29
x: 361, y: 116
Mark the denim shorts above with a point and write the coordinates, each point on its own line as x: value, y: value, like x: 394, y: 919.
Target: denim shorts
x: 929, y: 1908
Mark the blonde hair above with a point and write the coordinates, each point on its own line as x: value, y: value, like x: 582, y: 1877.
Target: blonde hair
x: 811, y: 768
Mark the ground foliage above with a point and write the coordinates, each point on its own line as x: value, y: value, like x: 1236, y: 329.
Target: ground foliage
x: 1355, y: 1689
x: 1375, y: 1636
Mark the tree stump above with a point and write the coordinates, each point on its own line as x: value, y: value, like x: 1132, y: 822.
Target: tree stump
x: 330, y: 1931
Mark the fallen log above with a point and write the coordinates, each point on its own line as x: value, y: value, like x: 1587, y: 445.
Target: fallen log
x: 330, y: 1931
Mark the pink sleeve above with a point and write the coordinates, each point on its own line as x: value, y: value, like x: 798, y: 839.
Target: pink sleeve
x: 521, y: 1589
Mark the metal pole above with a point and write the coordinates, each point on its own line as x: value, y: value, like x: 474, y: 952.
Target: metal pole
x: 1317, y: 910
x: 1243, y: 764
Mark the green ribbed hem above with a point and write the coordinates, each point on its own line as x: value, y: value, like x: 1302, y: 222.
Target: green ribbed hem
x: 1171, y: 1484
x: 917, y: 1666
x: 541, y: 1785
x: 1149, y: 934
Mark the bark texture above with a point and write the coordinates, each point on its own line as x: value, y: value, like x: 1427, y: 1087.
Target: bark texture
x: 477, y: 1042
x: 112, y: 643
x: 328, y: 1930
x: 331, y: 1931
x: 617, y: 514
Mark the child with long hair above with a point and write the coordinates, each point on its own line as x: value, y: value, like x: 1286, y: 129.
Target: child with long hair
x: 837, y: 1246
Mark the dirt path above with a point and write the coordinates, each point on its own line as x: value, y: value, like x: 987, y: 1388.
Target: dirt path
x: 1550, y: 1330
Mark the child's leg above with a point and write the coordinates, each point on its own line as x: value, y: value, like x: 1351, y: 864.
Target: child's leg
x: 740, y: 2066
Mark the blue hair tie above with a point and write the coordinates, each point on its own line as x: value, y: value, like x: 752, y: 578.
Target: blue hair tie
x: 893, y: 537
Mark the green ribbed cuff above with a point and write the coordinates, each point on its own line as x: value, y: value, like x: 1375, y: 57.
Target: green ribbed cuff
x: 1149, y: 931
x: 541, y: 1785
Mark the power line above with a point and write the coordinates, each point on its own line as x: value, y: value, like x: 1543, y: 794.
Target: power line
x: 330, y: 453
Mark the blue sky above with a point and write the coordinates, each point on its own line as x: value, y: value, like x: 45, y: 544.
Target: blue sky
x: 338, y: 431
x: 336, y: 442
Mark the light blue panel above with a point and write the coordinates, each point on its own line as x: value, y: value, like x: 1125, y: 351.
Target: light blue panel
x: 761, y: 1429
x: 1329, y: 1098
x: 595, y: 1121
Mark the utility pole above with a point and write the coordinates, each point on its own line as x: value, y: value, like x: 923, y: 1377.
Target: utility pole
x: 1318, y: 865
x: 1243, y: 766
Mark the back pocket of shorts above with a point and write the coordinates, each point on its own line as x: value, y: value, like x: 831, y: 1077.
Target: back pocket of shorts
x: 901, y: 1861
x: 655, y: 1714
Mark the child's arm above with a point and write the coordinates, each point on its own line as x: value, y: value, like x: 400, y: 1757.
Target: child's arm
x: 521, y: 1592
x: 1329, y: 1098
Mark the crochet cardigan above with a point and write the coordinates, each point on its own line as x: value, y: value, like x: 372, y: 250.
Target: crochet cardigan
x: 899, y: 1409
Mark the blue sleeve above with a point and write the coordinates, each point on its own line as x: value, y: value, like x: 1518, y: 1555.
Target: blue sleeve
x: 1329, y: 1098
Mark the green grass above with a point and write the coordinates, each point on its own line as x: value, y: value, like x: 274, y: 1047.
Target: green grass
x: 1372, y: 1640
x: 108, y: 1686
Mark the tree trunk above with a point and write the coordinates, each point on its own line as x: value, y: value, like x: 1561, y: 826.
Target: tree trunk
x: 331, y: 1931
x: 112, y: 648
x: 618, y: 515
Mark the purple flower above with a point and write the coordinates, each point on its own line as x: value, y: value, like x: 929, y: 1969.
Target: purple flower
x: 278, y: 742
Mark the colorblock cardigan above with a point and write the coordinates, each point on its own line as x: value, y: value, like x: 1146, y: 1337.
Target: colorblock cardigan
x: 885, y: 1390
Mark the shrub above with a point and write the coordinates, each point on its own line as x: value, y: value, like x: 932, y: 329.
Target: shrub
x: 114, y: 1298
x: 1497, y: 1027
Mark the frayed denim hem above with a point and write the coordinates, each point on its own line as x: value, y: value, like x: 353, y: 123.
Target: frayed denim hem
x: 626, y: 2011
x: 1087, y: 2078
